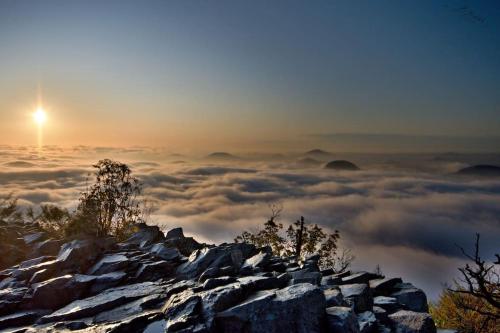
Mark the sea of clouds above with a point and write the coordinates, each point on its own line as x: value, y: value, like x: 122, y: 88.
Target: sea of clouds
x: 406, y: 213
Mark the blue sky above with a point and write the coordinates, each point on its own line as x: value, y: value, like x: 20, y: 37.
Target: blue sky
x: 208, y: 73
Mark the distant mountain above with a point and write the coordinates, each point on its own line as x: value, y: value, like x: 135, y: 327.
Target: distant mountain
x: 317, y: 152
x: 308, y: 161
x: 482, y: 170
x: 342, y: 165
x: 221, y: 156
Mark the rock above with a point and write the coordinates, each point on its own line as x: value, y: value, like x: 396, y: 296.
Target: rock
x: 32, y: 238
x: 175, y: 233
x: 413, y: 298
x: 215, y: 257
x: 341, y: 320
x: 49, y: 247
x: 146, y: 235
x: 259, y: 260
x: 412, y: 322
x: 104, y: 301
x: 217, y: 282
x: 79, y: 255
x: 209, y: 273
x: 298, y: 308
x: 389, y: 304
x: 362, y: 277
x: 333, y: 297
x: 221, y: 298
x: 381, y: 314
x: 185, y: 245
x: 181, y: 310
x: 331, y: 280
x: 166, y: 253
x: 12, y: 294
x: 154, y: 271
x: 105, y: 281
x: 384, y: 287
x: 26, y: 273
x: 57, y: 292
x: 358, y: 296
x: 306, y: 276
x: 128, y: 310
x: 257, y: 283
x: 19, y: 319
x: 136, y: 323
x: 109, y: 263
x: 367, y: 322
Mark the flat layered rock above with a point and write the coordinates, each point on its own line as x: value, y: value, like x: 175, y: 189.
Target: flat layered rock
x: 358, y: 296
x: 341, y: 320
x: 412, y: 322
x: 298, y: 308
x: 107, y: 300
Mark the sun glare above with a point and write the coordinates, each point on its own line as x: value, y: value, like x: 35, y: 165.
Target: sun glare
x: 39, y: 116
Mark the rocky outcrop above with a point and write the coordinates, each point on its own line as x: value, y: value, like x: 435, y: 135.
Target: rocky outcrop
x: 148, y: 284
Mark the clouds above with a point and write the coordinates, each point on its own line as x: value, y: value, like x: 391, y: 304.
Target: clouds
x: 390, y: 209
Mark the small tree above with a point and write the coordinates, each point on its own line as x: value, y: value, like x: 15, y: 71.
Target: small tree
x: 270, y: 235
x: 51, y: 218
x: 300, y: 241
x: 8, y: 209
x: 111, y: 205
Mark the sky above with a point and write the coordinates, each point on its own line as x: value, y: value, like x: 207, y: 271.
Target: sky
x: 371, y: 76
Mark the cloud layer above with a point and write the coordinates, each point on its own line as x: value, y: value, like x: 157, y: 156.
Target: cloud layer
x: 406, y: 213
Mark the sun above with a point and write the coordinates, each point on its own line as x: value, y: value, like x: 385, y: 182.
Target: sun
x: 40, y: 116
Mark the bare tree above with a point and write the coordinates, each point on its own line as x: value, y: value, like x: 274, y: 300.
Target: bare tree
x: 481, y: 280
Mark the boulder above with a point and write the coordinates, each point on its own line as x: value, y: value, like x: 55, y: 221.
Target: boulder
x: 79, y: 255
x: 215, y: 257
x: 412, y: 322
x: 35, y: 237
x: 145, y: 235
x: 175, y: 233
x: 57, y: 292
x: 106, y: 300
x: 259, y: 260
x: 333, y: 297
x: 361, y: 277
x: 181, y: 310
x: 412, y: 298
x: 105, y: 281
x: 341, y: 320
x: 166, y: 253
x: 384, y: 287
x: 26, y: 273
x: 257, y: 283
x: 367, y: 322
x: 298, y: 308
x: 49, y: 247
x: 331, y: 280
x: 389, y: 304
x: 109, y: 263
x: 19, y: 319
x: 305, y: 276
x: 217, y: 282
x: 358, y: 296
x: 155, y: 270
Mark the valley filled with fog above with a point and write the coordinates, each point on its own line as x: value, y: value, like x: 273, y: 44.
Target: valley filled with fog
x: 406, y: 213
